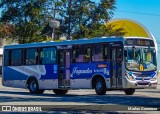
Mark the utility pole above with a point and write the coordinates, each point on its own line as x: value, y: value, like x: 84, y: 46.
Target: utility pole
x: 69, y: 19
x: 53, y: 23
x: 54, y: 15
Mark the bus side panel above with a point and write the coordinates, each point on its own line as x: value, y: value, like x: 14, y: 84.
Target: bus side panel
x: 49, y: 78
x: 13, y: 76
x: 16, y: 76
x: 82, y: 73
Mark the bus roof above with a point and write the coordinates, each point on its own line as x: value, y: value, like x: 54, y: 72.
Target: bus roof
x: 66, y: 42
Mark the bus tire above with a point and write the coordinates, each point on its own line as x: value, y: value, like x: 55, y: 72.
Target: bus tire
x: 100, y: 86
x: 129, y: 91
x: 34, y: 87
x: 60, y: 91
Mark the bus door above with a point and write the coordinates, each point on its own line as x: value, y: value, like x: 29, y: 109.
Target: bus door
x: 116, y: 65
x: 64, y: 69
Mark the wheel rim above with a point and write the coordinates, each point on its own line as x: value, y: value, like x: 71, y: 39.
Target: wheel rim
x: 98, y: 86
x: 33, y: 85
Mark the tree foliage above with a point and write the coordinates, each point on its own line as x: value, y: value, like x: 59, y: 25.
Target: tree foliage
x: 28, y: 17
x: 87, y: 18
x: 6, y: 30
x: 78, y: 18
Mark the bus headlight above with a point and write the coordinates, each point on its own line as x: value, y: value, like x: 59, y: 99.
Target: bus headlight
x: 130, y: 76
x: 154, y: 78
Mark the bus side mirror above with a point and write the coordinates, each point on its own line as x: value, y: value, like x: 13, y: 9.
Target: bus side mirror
x: 125, y: 53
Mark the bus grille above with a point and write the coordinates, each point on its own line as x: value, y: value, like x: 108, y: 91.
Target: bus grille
x: 143, y: 83
x: 141, y: 75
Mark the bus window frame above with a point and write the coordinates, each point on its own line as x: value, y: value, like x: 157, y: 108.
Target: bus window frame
x: 25, y: 54
x: 10, y: 57
x: 104, y: 45
x: 87, y: 45
x: 39, y: 51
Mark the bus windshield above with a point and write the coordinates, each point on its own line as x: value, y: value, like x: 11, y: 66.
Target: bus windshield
x: 141, y: 59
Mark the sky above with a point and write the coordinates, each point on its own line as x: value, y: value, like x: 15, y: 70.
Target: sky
x: 146, y: 12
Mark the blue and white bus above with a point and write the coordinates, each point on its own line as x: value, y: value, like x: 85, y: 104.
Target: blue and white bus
x: 100, y: 63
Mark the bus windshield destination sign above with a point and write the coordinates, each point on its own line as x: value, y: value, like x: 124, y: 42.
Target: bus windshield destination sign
x: 139, y: 42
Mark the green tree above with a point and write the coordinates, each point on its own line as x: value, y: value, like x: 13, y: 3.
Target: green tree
x: 85, y: 18
x: 78, y: 18
x: 28, y: 17
x: 6, y: 30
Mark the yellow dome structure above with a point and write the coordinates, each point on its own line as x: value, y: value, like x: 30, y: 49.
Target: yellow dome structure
x: 131, y: 28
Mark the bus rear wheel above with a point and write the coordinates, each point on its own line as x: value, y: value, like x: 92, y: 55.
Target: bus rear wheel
x: 100, y: 86
x: 60, y: 91
x: 129, y: 91
x: 33, y: 87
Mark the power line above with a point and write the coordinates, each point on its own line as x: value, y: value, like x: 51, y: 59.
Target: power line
x: 140, y: 13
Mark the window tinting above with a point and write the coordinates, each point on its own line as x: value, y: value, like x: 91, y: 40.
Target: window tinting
x: 16, y: 57
x: 48, y: 55
x: 81, y: 53
x: 6, y: 58
x: 31, y: 56
x: 97, y: 53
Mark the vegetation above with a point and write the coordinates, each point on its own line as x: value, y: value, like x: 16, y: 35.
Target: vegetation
x: 87, y: 18
x: 27, y: 16
x: 6, y: 30
x: 78, y: 18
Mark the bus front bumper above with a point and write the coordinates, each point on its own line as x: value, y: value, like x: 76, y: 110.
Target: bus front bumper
x: 140, y: 84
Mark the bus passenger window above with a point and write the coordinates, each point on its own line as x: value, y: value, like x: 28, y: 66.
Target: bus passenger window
x: 73, y: 55
x: 16, y: 57
x: 88, y: 54
x: 97, y: 53
x: 48, y: 55
x: 82, y: 54
x: 31, y: 56
x: 7, y: 58
x: 105, y: 53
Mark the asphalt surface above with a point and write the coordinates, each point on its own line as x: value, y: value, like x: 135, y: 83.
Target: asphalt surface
x: 83, y: 101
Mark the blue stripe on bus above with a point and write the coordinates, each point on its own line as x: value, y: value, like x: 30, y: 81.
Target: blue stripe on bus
x: 87, y: 70
x: 51, y: 72
x: 15, y: 73
x: 11, y: 74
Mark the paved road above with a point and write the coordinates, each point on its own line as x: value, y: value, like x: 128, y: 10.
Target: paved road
x: 87, y: 99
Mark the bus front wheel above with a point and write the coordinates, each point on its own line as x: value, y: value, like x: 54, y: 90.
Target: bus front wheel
x: 60, y: 92
x: 129, y: 91
x: 100, y: 86
x: 33, y: 87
